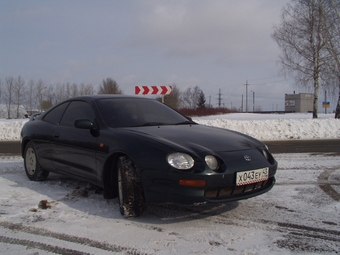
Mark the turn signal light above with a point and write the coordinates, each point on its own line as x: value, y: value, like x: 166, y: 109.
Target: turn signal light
x: 192, y: 183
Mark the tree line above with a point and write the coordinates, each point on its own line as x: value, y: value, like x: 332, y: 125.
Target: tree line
x: 309, y: 38
x: 38, y: 96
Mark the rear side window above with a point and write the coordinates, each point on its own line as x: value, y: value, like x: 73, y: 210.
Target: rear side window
x: 54, y: 116
x: 77, y: 110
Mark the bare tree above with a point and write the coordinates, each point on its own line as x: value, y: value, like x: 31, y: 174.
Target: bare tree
x: 86, y: 89
x: 19, y: 93
x: 109, y: 86
x: 49, y: 97
x: 301, y: 40
x: 9, y: 94
x: 201, y: 100
x: 191, y: 97
x: 30, y: 96
x: 331, y: 32
x: 39, y: 89
x: 74, y: 90
x: 60, y: 93
x: 66, y: 90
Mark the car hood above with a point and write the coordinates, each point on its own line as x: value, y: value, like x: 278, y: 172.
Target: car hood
x: 199, y: 137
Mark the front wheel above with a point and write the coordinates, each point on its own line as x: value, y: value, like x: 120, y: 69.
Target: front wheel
x: 33, y: 169
x: 130, y: 190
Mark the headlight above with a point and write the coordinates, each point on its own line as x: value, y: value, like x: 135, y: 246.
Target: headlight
x: 180, y: 161
x: 211, y: 162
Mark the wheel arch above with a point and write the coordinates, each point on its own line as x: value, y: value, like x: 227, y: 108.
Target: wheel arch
x: 24, y: 143
x: 110, y: 175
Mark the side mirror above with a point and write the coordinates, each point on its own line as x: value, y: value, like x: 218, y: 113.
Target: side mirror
x: 84, y: 124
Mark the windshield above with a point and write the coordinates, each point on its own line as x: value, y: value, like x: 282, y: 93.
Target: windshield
x: 136, y: 112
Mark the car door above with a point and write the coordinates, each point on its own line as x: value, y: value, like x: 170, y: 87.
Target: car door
x: 73, y: 149
x: 41, y: 136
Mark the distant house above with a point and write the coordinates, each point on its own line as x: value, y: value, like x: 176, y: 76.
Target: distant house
x: 14, y: 113
x: 302, y: 102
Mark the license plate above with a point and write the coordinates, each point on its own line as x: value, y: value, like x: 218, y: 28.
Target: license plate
x: 252, y: 176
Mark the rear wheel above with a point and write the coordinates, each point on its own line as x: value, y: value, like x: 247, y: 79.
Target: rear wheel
x: 130, y: 190
x: 33, y: 169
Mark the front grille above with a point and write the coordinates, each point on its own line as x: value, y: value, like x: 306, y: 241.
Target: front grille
x: 225, y: 192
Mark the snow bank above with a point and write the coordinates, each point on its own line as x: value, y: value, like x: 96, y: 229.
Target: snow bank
x: 10, y: 129
x: 281, y: 129
x: 261, y: 126
x: 277, y: 127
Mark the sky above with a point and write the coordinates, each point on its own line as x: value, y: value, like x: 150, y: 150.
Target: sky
x: 217, y: 45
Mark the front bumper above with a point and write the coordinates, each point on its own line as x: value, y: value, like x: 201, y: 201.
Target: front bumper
x: 220, y: 188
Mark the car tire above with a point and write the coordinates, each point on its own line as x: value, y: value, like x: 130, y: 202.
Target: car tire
x: 33, y: 169
x: 130, y: 191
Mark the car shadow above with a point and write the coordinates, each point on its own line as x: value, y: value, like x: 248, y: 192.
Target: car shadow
x: 169, y: 213
x: 89, y: 199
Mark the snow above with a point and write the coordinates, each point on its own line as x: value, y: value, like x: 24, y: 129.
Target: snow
x: 261, y: 126
x: 278, y: 126
x: 300, y: 215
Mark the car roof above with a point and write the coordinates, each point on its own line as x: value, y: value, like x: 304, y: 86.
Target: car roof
x: 107, y: 96
x: 100, y: 96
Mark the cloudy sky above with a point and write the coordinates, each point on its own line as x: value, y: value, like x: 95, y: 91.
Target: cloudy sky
x: 217, y: 45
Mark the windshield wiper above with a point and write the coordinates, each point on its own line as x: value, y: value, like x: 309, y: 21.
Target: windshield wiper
x: 151, y: 124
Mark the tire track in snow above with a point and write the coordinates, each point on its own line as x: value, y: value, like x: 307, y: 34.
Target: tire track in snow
x: 295, y: 237
x: 63, y: 237
x: 326, y: 186
x: 40, y: 246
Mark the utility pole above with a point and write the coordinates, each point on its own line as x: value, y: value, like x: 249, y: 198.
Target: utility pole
x: 242, y: 104
x: 246, y: 95
x: 253, y: 101
x: 219, y: 98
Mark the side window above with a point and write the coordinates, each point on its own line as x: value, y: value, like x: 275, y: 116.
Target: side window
x: 77, y: 110
x: 54, y: 116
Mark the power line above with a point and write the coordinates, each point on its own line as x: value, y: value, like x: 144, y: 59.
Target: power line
x: 268, y: 83
x: 259, y: 79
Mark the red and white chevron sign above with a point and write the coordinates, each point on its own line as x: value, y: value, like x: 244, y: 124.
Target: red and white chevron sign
x: 153, y: 90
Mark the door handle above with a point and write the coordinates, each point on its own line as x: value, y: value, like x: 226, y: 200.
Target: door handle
x: 56, y: 135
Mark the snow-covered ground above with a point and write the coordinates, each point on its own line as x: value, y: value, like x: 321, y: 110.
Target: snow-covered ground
x: 300, y: 215
x: 261, y: 126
